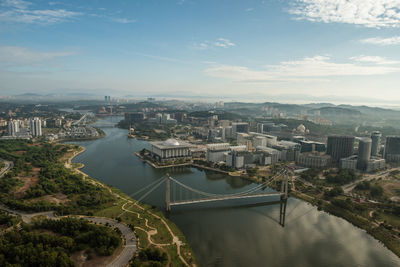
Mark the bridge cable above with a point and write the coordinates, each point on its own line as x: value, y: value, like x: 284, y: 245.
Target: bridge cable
x: 147, y: 186
x: 225, y: 195
x: 151, y: 190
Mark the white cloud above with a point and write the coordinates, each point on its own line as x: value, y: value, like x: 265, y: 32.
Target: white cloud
x: 374, y: 59
x: 16, y: 4
x: 220, y: 42
x: 369, y: 13
x: 395, y: 40
x: 18, y: 11
x: 16, y: 55
x: 123, y: 20
x: 306, y: 69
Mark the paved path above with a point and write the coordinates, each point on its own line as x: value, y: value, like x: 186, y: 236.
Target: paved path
x: 27, y: 217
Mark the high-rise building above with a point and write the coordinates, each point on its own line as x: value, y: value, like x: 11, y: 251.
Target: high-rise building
x: 260, y: 128
x: 364, y: 153
x: 392, y: 148
x: 340, y: 147
x: 165, y: 117
x: 159, y: 117
x: 239, y: 127
x: 13, y: 127
x: 376, y: 143
x: 36, y: 127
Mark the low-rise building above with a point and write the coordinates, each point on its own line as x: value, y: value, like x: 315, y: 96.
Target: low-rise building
x: 132, y: 117
x: 289, y: 150
x: 313, y: 160
x: 374, y: 163
x: 268, y: 155
x: 349, y: 163
x: 170, y: 149
x: 215, y: 152
x: 260, y: 141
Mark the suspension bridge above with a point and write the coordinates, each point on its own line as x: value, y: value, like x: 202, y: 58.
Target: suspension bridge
x: 179, y: 194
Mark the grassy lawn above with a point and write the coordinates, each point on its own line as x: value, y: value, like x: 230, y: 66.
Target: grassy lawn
x: 389, y: 218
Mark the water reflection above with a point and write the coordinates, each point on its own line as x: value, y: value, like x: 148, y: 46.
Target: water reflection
x: 237, y: 236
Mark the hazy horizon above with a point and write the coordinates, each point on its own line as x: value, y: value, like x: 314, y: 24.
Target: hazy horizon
x: 290, y: 51
x: 281, y: 99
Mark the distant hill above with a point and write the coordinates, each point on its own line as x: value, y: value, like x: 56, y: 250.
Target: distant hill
x: 337, y: 111
x: 27, y: 95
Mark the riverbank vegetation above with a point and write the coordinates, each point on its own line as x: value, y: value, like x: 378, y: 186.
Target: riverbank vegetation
x: 52, y: 242
x: 40, y: 182
x: 368, y: 206
x: 46, y: 180
x: 152, y: 230
x: 149, y: 131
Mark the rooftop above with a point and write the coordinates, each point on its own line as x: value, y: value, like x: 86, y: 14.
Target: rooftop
x: 170, y: 143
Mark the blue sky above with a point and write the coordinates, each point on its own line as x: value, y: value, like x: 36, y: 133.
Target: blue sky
x: 313, y: 50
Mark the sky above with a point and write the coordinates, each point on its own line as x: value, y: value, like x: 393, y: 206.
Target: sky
x: 311, y: 50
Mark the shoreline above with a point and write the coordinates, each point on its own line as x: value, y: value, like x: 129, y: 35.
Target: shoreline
x: 191, y: 164
x: 178, y: 239
x: 354, y: 219
x: 325, y: 207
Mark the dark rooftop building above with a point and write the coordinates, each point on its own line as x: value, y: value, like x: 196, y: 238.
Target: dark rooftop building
x: 340, y: 147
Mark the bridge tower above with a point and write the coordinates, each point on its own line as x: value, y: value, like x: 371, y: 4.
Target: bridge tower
x: 284, y: 196
x: 167, y: 193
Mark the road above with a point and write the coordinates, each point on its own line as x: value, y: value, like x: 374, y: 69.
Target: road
x: 367, y: 177
x: 27, y: 217
x: 129, y: 248
x: 8, y: 166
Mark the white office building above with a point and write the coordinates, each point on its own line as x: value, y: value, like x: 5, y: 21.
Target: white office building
x: 13, y: 127
x: 36, y: 127
x: 215, y: 152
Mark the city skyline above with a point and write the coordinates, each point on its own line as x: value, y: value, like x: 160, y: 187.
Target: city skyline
x: 338, y: 51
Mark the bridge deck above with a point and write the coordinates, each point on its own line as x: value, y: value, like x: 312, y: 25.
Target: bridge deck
x: 202, y: 200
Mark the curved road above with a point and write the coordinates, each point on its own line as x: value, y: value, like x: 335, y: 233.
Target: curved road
x: 8, y: 166
x: 129, y: 248
x: 130, y: 240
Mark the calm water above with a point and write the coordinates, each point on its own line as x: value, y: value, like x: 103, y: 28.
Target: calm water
x: 240, y: 236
